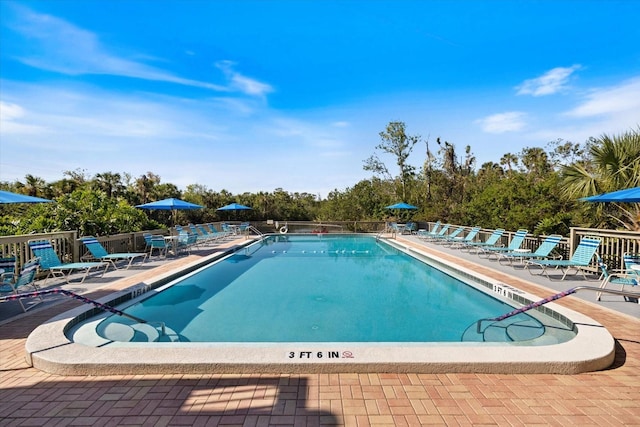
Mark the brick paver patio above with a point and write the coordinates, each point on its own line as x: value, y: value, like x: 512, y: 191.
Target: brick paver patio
x: 29, y: 397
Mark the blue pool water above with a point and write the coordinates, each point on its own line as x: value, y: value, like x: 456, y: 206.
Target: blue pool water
x: 309, y: 288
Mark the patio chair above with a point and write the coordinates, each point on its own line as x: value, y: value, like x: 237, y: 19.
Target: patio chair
x: 628, y: 276
x: 544, y: 251
x: 491, y: 241
x: 147, y: 241
x: 244, y: 227
x: 514, y: 244
x: 7, y: 268
x: 186, y: 242
x: 410, y: 228
x: 581, y: 258
x: 98, y: 252
x: 50, y: 262
x: 26, y: 279
x: 161, y: 244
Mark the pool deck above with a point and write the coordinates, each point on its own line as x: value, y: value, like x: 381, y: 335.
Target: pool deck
x: 608, y: 397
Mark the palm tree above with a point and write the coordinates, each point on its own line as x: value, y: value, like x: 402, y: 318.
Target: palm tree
x: 614, y: 164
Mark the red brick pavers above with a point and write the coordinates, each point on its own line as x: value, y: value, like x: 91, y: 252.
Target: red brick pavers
x: 29, y: 397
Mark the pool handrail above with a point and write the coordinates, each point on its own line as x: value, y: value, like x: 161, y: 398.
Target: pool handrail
x: 553, y: 298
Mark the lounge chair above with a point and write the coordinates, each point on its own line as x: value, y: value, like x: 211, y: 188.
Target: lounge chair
x: 543, y: 251
x: 26, y: 279
x: 215, y: 232
x: 186, y: 242
x: 461, y: 241
x: 581, y: 258
x: 629, y: 276
x: 514, y: 244
x: 202, y: 234
x: 427, y: 233
x: 437, y: 235
x: 98, y: 252
x: 449, y: 237
x: 50, y: 262
x: 491, y: 241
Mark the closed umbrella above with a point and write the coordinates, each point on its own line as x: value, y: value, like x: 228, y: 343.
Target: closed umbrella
x: 170, y: 204
x: 9, y: 197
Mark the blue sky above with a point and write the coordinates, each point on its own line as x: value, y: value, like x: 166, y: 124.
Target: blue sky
x: 258, y: 95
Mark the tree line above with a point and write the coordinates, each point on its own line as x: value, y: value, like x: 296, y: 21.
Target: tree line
x: 537, y: 189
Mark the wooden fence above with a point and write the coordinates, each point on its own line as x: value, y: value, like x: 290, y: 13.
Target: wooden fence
x: 614, y: 243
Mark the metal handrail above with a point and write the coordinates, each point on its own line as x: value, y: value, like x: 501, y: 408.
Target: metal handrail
x: 79, y: 298
x: 553, y: 298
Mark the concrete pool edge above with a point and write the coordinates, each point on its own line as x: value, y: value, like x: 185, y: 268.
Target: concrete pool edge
x: 49, y: 349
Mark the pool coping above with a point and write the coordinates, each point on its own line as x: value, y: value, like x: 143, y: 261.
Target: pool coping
x: 49, y: 349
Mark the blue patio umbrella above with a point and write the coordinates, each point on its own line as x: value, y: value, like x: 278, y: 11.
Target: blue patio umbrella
x: 170, y: 204
x: 402, y: 205
x: 629, y: 195
x: 234, y: 207
x: 9, y: 197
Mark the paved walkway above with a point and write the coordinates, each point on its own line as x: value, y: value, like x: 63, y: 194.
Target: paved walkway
x: 609, y: 397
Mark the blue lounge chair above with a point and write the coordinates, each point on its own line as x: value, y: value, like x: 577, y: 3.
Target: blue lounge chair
x: 514, y: 244
x: 491, y: 241
x: 629, y: 276
x: 215, y: 232
x: 544, y: 251
x: 449, y: 237
x: 461, y: 241
x: 581, y: 258
x: 202, y: 234
x: 436, y: 235
x: 186, y: 242
x: 98, y: 252
x: 432, y: 232
x: 26, y: 279
x: 50, y: 262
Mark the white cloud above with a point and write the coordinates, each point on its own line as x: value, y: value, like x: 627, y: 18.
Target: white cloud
x: 551, y: 82
x: 183, y: 141
x: 623, y: 99
x: 11, y: 117
x: 503, y: 122
x: 59, y: 46
x: 242, y: 83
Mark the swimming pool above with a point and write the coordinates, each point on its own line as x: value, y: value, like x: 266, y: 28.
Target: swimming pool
x: 310, y: 314
x: 325, y: 288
